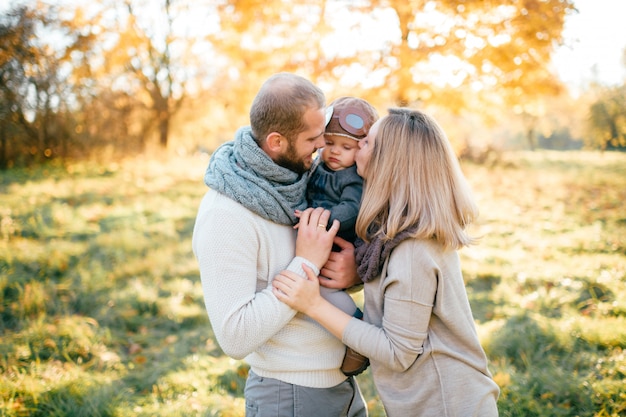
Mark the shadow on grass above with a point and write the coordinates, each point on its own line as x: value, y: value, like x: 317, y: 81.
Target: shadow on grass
x: 189, y: 367
x: 480, y: 294
x: 90, y: 398
x: 546, y: 373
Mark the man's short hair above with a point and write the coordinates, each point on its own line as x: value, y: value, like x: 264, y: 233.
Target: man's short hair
x: 280, y: 104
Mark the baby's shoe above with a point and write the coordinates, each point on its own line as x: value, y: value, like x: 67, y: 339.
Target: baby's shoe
x: 354, y: 363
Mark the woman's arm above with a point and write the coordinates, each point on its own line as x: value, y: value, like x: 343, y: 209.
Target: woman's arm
x: 408, y: 302
x: 242, y: 317
x: 304, y: 295
x: 407, y: 295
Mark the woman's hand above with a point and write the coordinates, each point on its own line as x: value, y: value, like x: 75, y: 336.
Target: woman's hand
x: 295, y: 291
x: 314, y: 242
x: 339, y: 272
x: 304, y: 295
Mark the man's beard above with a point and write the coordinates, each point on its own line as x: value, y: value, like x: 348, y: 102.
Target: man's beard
x: 291, y: 161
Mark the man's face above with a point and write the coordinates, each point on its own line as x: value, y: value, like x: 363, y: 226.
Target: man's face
x: 298, y: 156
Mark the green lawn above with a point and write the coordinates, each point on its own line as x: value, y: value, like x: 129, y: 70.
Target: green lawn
x: 102, y: 313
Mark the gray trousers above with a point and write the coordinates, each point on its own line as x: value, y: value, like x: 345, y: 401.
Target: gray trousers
x: 268, y: 397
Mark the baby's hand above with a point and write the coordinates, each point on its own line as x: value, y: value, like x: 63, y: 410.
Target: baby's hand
x: 297, y: 213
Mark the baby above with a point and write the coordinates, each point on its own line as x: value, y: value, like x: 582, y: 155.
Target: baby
x: 335, y: 185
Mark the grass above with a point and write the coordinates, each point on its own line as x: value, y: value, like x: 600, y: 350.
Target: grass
x: 101, y: 309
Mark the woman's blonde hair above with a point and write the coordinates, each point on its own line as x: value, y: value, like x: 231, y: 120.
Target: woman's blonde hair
x: 413, y: 180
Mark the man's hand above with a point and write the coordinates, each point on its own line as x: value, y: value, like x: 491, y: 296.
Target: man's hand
x: 339, y: 272
x: 314, y: 242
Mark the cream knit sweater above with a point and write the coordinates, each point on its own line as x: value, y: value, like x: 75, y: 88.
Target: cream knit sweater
x: 239, y: 253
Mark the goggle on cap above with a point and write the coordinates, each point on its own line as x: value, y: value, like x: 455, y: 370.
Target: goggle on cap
x: 350, y: 117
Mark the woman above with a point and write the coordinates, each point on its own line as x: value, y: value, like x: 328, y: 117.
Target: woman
x: 418, y: 330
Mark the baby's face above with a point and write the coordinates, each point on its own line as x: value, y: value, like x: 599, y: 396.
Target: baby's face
x: 339, y: 152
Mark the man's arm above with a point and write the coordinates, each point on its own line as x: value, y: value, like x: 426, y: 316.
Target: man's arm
x: 226, y: 245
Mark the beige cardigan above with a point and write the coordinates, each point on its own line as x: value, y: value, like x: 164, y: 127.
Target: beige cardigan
x: 425, y: 354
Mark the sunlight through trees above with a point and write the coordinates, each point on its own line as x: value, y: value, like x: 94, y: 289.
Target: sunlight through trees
x: 120, y: 77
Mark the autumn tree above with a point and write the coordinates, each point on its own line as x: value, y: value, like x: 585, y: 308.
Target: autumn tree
x: 16, y: 50
x: 496, y: 50
x: 607, y: 120
x: 152, y: 58
x: 489, y: 54
x: 36, y: 93
x: 256, y: 38
x: 422, y: 48
x: 130, y: 67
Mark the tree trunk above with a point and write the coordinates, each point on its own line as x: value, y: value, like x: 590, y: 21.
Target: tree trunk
x: 530, y: 137
x: 164, y: 127
x: 4, y: 163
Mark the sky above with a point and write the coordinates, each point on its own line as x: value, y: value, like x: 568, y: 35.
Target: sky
x: 595, y: 40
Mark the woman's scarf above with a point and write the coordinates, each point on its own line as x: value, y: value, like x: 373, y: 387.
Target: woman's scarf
x: 370, y: 257
x: 242, y: 171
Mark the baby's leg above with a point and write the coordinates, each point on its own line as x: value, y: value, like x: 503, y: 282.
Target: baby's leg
x: 339, y: 299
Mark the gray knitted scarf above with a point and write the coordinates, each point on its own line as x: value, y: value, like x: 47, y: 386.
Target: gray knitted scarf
x: 370, y: 257
x: 242, y: 171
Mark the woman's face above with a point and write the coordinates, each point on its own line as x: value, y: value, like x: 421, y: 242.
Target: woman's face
x: 365, y: 149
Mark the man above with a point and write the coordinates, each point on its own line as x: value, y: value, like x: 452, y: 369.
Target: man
x: 244, y: 236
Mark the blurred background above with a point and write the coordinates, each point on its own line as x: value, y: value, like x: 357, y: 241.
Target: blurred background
x: 109, y: 110
x: 123, y: 77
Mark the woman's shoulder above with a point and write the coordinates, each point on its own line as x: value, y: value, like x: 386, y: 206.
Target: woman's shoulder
x: 420, y: 245
x: 421, y: 258
x: 430, y: 251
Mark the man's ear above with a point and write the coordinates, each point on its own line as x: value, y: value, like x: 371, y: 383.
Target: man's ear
x: 275, y: 142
